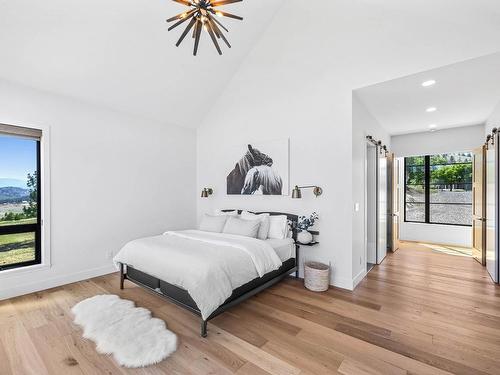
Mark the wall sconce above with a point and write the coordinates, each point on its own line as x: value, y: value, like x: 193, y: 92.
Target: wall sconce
x: 205, y: 193
x: 297, y: 193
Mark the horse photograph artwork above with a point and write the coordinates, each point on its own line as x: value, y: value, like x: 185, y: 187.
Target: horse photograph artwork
x: 260, y: 169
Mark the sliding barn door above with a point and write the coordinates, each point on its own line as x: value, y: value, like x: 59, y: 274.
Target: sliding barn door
x: 395, y: 214
x: 382, y: 205
x: 479, y: 205
x: 371, y: 203
x: 491, y: 208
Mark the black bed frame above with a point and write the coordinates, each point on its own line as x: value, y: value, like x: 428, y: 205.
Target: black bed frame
x: 182, y: 298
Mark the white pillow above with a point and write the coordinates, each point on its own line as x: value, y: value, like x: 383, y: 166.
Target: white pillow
x: 264, y: 223
x: 248, y: 228
x: 210, y: 223
x: 278, y: 227
x: 219, y: 212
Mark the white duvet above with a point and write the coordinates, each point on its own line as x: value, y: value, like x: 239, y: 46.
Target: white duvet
x: 208, y: 265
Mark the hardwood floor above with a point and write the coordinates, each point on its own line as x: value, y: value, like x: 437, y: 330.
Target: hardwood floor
x: 420, y: 312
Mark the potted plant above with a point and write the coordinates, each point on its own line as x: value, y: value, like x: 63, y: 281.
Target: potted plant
x: 303, y: 224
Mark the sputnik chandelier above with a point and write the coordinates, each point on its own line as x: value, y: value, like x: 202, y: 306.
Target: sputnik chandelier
x: 202, y: 15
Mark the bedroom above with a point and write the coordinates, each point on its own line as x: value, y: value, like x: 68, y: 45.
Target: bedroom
x: 128, y: 153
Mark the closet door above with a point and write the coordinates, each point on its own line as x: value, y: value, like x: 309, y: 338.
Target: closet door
x: 393, y: 198
x: 382, y: 206
x: 491, y: 209
x: 371, y: 203
x: 478, y: 206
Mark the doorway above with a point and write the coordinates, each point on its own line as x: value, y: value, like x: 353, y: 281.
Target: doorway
x: 449, y: 179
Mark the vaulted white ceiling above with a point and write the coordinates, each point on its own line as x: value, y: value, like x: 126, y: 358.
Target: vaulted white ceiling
x: 464, y: 94
x: 118, y: 53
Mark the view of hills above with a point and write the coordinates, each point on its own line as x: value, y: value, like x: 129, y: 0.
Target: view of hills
x: 13, y: 194
x: 12, y: 182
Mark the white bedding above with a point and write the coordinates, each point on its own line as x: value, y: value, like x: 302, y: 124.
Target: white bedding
x: 284, y: 248
x: 208, y: 265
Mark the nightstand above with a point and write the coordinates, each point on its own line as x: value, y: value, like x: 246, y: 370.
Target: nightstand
x: 297, y: 249
x: 314, y: 243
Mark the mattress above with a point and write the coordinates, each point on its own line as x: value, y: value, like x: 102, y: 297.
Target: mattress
x: 285, y: 248
x: 208, y: 265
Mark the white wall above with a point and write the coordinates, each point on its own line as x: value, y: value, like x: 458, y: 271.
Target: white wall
x: 297, y: 82
x: 464, y: 138
x: 114, y: 178
x: 448, y: 140
x: 363, y: 124
x: 435, y: 233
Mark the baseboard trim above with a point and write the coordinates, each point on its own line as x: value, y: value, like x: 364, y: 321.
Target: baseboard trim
x: 357, y: 279
x: 332, y: 285
x: 55, y: 281
x: 436, y: 243
x: 38, y: 286
x: 342, y: 283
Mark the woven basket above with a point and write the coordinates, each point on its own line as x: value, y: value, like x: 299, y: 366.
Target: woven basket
x: 316, y: 276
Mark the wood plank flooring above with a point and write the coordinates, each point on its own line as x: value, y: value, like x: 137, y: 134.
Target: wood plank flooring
x: 420, y: 312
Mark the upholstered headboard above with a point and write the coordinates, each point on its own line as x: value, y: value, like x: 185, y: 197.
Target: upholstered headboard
x: 292, y: 219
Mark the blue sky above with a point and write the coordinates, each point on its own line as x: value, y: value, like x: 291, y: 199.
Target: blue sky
x: 17, y: 159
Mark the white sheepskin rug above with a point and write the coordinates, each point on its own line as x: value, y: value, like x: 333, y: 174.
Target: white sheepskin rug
x: 129, y: 333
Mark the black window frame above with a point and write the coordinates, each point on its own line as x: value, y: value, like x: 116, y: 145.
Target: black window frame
x: 29, y: 228
x: 427, y: 193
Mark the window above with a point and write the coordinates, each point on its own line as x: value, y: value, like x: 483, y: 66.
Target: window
x: 438, y: 189
x: 20, y: 222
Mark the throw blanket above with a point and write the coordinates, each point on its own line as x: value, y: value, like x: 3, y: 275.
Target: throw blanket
x: 208, y: 265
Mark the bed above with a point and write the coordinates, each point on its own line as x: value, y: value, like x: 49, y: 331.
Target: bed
x: 149, y: 275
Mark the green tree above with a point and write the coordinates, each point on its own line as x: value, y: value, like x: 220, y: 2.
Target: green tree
x: 438, y: 159
x: 415, y: 170
x: 32, y: 209
x: 415, y: 175
x: 414, y: 160
x: 12, y: 216
x: 450, y: 175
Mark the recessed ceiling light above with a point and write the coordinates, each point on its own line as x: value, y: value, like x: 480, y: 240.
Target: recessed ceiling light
x: 431, y: 109
x: 432, y: 126
x: 429, y: 83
